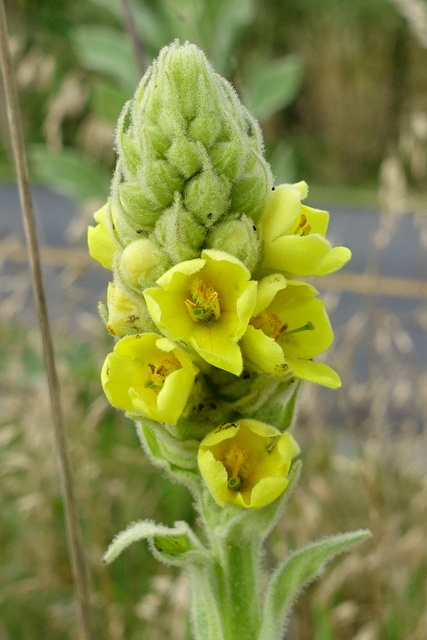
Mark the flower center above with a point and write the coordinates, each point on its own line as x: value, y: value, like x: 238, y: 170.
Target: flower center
x: 158, y: 374
x: 302, y: 228
x: 204, y: 303
x: 237, y: 466
x: 269, y: 323
x: 273, y: 327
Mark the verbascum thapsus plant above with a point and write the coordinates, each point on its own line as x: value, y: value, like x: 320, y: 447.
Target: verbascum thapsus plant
x: 215, y: 334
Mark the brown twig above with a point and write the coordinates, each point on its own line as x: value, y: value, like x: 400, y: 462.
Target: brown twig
x: 133, y: 35
x: 73, y: 530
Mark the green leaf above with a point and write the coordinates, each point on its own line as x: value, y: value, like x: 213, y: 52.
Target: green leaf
x: 182, y: 453
x: 273, y: 85
x: 168, y: 544
x: 172, y: 545
x: 151, y: 26
x: 177, y: 459
x: 282, y: 161
x: 207, y: 616
x: 108, y: 100
x: 280, y: 409
x: 228, y: 21
x: 301, y: 568
x: 69, y: 172
x: 106, y: 51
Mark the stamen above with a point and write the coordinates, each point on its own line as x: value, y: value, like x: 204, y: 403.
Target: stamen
x: 235, y: 462
x: 303, y: 228
x: 157, y: 375
x: 270, y: 324
x: 204, y: 303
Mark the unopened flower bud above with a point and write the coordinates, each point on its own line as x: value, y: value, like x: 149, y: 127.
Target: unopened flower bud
x: 125, y: 316
x: 238, y: 237
x: 141, y: 263
x: 186, y: 135
x: 180, y: 235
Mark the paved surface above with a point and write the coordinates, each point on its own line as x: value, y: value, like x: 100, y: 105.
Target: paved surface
x: 377, y: 303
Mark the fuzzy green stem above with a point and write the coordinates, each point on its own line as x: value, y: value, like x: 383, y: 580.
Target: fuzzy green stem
x: 240, y: 570
x: 237, y: 574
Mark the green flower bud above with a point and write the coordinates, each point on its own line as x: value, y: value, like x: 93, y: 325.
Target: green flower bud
x: 208, y: 123
x: 179, y: 233
x: 248, y: 195
x: 238, y: 237
x: 161, y: 179
x: 206, y: 195
x: 184, y: 155
x: 137, y: 207
x: 186, y: 134
x: 228, y: 158
x: 141, y: 263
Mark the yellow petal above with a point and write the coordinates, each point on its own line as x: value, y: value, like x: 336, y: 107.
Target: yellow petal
x: 256, y: 454
x: 283, y: 207
x: 267, y: 490
x: 263, y: 351
x: 214, y: 338
x: 268, y: 287
x: 116, y: 377
x: 296, y: 255
x: 101, y: 245
x: 215, y: 471
x: 316, y: 372
x: 171, y: 279
x: 317, y: 219
x: 305, y: 344
x: 333, y: 260
x: 218, y: 349
x: 130, y: 377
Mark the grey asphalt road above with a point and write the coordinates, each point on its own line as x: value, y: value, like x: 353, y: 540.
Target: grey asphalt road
x: 395, y: 315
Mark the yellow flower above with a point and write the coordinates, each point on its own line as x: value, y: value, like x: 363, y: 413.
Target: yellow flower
x: 149, y: 375
x: 289, y: 328
x: 246, y: 463
x: 294, y: 235
x: 101, y: 245
x: 206, y: 303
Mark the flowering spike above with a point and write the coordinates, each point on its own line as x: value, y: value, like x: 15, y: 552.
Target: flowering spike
x: 213, y: 328
x: 186, y: 133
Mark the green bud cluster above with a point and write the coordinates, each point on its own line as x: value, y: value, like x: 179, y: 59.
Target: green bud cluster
x: 190, y: 172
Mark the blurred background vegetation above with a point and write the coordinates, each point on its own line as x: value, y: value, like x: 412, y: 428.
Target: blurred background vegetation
x: 338, y: 86
x: 340, y: 89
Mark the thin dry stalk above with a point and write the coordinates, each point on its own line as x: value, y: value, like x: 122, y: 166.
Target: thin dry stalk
x: 129, y: 22
x: 74, y: 535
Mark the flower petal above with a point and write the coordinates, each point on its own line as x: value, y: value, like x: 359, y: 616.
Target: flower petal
x: 317, y: 372
x: 268, y: 287
x: 263, y: 351
x: 218, y: 349
x: 282, y: 208
x: 333, y: 260
x: 296, y: 255
x: 101, y: 245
